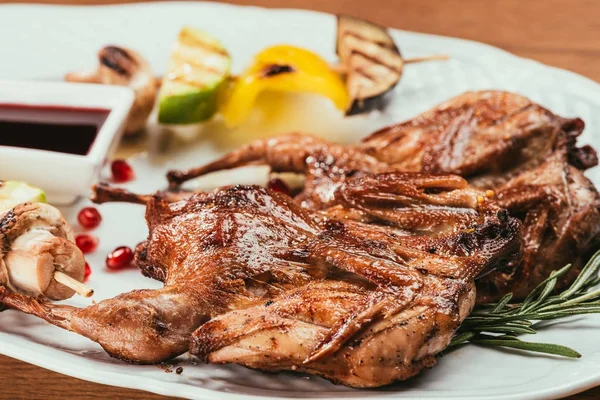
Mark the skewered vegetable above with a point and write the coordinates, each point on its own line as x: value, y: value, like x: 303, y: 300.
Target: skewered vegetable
x: 371, y: 61
x: 124, y: 67
x: 38, y: 255
x: 198, y: 68
x: 284, y: 69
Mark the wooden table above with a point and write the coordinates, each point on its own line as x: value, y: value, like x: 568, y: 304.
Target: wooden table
x: 562, y: 33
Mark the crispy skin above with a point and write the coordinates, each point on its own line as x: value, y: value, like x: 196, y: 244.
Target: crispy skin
x: 363, y: 304
x: 560, y: 209
x: 282, y: 334
x: 398, y: 307
x: 488, y: 137
x: 326, y: 165
x: 528, y: 156
x: 496, y: 140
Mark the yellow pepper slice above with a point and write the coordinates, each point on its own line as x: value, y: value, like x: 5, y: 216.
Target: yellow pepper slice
x: 287, y: 69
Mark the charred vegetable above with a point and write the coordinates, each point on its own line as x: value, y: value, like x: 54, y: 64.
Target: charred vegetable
x: 371, y: 61
x: 124, y: 67
x: 282, y: 68
x: 198, y: 68
x: 38, y: 255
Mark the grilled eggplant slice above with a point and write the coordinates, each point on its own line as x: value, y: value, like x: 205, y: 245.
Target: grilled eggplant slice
x: 371, y: 60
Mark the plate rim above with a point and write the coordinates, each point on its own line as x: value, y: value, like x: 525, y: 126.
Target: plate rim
x: 161, y: 387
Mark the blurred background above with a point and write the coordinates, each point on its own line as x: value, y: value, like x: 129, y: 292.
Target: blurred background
x: 563, y: 33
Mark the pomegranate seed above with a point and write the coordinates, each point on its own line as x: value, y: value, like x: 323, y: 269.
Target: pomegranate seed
x: 277, y: 185
x: 86, y: 243
x: 88, y: 272
x: 121, y: 171
x: 120, y: 257
x: 89, y: 217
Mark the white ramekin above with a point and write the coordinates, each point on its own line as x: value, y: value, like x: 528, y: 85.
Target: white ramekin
x: 64, y: 176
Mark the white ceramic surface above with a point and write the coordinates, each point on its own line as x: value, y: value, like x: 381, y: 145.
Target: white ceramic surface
x: 64, y: 176
x: 67, y: 38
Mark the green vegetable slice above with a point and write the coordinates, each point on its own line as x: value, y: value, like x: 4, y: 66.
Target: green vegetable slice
x: 16, y: 192
x: 198, y: 68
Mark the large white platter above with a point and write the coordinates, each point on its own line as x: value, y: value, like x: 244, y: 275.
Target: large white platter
x: 44, y: 42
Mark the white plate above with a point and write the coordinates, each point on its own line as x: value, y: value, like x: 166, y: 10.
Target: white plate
x: 42, y: 42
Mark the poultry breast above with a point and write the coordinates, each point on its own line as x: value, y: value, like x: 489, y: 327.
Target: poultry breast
x: 255, y: 279
x: 498, y: 141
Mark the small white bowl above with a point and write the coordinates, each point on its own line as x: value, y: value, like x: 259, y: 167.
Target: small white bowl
x: 64, y: 176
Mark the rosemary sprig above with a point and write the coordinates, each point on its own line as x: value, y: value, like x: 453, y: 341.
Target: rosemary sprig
x: 499, y: 324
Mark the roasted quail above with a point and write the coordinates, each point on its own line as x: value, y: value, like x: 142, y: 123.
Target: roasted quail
x: 363, y: 293
x: 499, y: 141
x: 528, y: 156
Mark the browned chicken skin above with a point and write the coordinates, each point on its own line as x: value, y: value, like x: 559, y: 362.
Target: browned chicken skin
x: 487, y: 137
x: 363, y: 304
x: 396, y: 336
x: 528, y: 156
x: 325, y: 164
x: 497, y: 140
x: 560, y: 209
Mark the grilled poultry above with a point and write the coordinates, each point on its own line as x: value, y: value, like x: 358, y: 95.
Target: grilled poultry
x: 350, y: 333
x: 265, y: 283
x: 560, y: 209
x: 528, y: 155
x: 325, y: 164
x: 488, y: 137
x: 497, y: 140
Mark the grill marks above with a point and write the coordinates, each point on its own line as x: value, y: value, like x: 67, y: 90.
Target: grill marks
x: 385, y: 55
x: 191, y: 40
x: 197, y: 60
x: 528, y: 156
x: 371, y: 60
x: 495, y: 140
x: 419, y: 239
x: 119, y: 60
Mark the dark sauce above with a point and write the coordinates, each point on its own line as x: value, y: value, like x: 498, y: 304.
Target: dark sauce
x: 53, y: 128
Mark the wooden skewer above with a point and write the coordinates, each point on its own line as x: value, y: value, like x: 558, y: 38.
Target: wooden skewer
x: 435, y: 57
x: 339, y: 68
x: 74, y: 284
x: 342, y: 69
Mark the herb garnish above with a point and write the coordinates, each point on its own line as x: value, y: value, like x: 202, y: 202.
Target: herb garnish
x: 499, y: 324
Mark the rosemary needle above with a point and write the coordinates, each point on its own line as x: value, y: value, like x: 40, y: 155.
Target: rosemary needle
x: 500, y: 323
